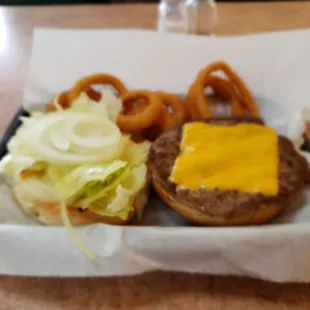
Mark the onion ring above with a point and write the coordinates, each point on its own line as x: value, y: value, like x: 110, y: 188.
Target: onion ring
x: 86, y: 82
x: 226, y: 90
x: 247, y: 99
x: 145, y: 118
x: 134, y: 106
x: 222, y: 88
x: 178, y: 114
x: 93, y: 95
x: 191, y: 102
x: 138, y: 137
x: 61, y: 101
x: 153, y: 132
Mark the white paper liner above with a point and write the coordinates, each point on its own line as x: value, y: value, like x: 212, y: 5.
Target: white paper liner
x: 276, y: 67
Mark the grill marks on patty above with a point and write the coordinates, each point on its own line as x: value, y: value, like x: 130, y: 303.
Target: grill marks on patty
x: 294, y: 175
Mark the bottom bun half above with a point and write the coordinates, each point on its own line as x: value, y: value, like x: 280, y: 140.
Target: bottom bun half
x: 49, y: 212
x: 264, y: 214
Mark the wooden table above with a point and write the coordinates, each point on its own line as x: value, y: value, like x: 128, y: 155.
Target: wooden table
x: 156, y: 290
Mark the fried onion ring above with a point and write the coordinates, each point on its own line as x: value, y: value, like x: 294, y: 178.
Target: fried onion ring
x: 86, y: 82
x: 146, y: 117
x: 191, y: 102
x: 61, y: 100
x: 134, y: 106
x: 138, y: 136
x: 226, y: 90
x: 153, y: 132
x: 222, y: 88
x: 93, y: 95
x: 173, y: 111
x: 247, y: 98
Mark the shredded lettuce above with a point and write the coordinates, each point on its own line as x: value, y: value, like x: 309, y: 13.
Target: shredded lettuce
x: 123, y: 213
x: 135, y: 153
x: 34, y: 189
x: 120, y: 198
x: 84, y: 202
x: 72, y: 232
x: 88, y: 180
x: 56, y: 172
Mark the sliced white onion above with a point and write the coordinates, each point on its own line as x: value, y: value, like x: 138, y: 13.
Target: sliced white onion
x: 104, y: 126
x: 59, y: 141
x: 103, y: 145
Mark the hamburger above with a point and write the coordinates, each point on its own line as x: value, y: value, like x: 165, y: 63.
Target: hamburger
x: 260, y: 176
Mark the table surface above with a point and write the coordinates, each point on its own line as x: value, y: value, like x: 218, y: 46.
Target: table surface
x: 156, y: 290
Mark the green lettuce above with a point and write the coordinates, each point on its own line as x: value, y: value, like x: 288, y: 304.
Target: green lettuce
x: 135, y: 153
x: 88, y: 180
x: 119, y: 201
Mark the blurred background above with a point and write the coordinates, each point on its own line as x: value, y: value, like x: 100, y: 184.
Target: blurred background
x: 49, y: 2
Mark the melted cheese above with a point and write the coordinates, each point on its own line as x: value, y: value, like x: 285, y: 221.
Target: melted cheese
x: 243, y: 158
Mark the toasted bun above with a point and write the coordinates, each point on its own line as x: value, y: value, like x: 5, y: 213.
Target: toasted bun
x: 49, y: 212
x: 215, y: 207
x: 259, y: 216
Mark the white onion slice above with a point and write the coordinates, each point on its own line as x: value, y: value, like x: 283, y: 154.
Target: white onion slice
x: 59, y: 141
x: 103, y: 145
x: 104, y: 125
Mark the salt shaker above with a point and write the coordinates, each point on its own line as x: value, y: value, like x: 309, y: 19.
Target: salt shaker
x: 201, y: 16
x: 189, y: 16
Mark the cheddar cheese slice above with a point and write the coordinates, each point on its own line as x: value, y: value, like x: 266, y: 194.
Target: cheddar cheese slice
x: 242, y: 157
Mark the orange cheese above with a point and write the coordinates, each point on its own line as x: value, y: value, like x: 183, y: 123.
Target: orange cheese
x: 243, y: 158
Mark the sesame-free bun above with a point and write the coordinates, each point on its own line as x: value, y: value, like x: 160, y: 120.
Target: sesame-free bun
x: 261, y: 215
x: 49, y: 212
x: 217, y: 207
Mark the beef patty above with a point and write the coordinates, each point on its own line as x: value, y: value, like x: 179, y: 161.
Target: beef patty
x: 294, y: 175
